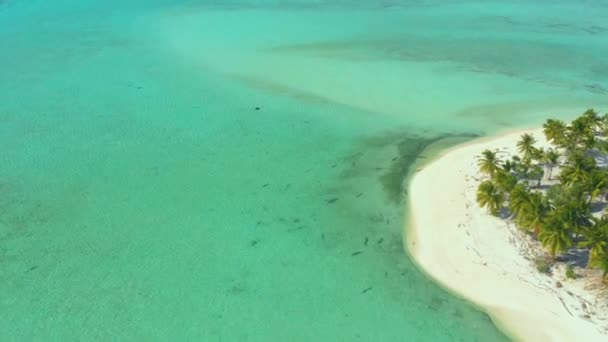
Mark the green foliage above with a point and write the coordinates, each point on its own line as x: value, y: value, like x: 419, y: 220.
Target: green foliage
x: 518, y: 198
x: 525, y: 146
x: 533, y: 212
x: 536, y: 173
x: 509, y: 166
x: 577, y: 168
x: 489, y: 163
x: 489, y: 196
x: 543, y: 265
x: 601, y: 261
x: 570, y: 274
x: 571, y: 211
x: 551, y: 160
x: 596, y: 239
x: 562, y: 214
x: 504, y: 180
x: 580, y: 133
x: 555, y: 235
x: 602, y: 145
x: 596, y: 183
x: 522, y: 168
x: 594, y: 120
x: 555, y: 131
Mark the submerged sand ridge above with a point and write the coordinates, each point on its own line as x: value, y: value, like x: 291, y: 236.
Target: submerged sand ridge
x: 487, y: 260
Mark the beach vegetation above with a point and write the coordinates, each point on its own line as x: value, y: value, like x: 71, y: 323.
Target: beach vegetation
x: 555, y: 131
x: 489, y: 163
x: 555, y: 235
x: 525, y: 146
x: 543, y: 265
x: 490, y: 197
x: 505, y: 181
x: 551, y: 161
x: 570, y: 273
x: 558, y: 194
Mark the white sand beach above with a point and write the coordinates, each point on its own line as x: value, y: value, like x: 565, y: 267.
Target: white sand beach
x: 488, y: 261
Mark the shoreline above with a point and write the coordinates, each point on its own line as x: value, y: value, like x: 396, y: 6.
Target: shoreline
x: 485, y: 259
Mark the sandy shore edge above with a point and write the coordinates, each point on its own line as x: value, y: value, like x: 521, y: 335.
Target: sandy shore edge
x: 483, y: 258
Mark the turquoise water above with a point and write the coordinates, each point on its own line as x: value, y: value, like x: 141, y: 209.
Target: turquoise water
x: 142, y: 196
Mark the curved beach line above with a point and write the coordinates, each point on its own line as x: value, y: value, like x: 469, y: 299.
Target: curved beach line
x: 481, y: 257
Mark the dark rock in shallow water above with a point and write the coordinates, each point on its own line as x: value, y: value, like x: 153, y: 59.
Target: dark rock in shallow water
x: 33, y: 267
x: 296, y: 228
x: 366, y: 290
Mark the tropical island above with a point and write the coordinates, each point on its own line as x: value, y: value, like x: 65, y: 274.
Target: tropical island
x: 518, y: 224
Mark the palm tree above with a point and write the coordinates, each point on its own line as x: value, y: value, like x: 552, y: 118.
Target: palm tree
x: 551, y: 160
x: 556, y: 194
x: 489, y: 196
x: 539, y: 155
x: 590, y: 141
x: 577, y: 168
x: 602, y: 145
x: 518, y: 198
x: 537, y: 173
x: 596, y: 238
x: 594, y: 120
x: 595, y: 184
x: 533, y: 213
x: 579, y: 131
x: 505, y: 181
x: 509, y: 165
x: 574, y: 212
x: 555, y: 131
x: 555, y: 235
x: 605, y: 124
x: 489, y: 163
x: 601, y: 262
x: 523, y: 167
x: 525, y: 146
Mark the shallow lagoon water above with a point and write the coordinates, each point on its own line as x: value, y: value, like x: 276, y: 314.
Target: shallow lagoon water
x: 143, y: 197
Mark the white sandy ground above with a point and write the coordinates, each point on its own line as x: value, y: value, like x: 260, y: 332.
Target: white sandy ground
x: 488, y: 261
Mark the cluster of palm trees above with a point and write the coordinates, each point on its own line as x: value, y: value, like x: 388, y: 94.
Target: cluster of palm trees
x: 560, y: 213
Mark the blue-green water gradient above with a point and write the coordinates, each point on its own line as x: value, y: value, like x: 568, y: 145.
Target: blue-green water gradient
x: 144, y: 197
